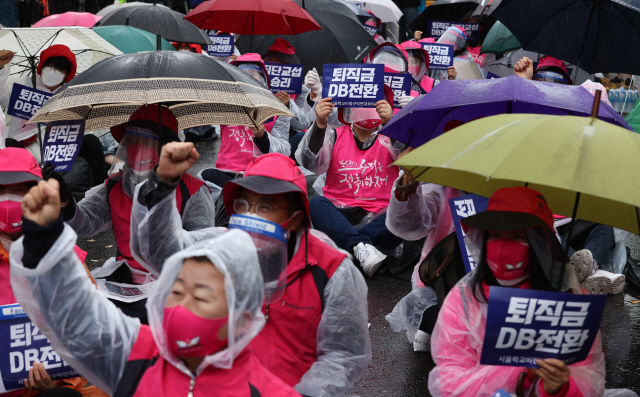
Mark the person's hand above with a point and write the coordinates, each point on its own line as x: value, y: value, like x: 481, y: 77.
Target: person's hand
x: 312, y: 81
x: 554, y: 374
x: 42, y: 204
x: 407, y: 178
x: 5, y: 57
x: 404, y: 100
x: 385, y: 111
x: 323, y: 110
x: 48, y: 173
x: 175, y: 159
x: 234, y: 58
x: 524, y: 68
x: 259, y: 133
x: 451, y: 73
x: 39, y: 379
x: 417, y: 35
x: 283, y: 97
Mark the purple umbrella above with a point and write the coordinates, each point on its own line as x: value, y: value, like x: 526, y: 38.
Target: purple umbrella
x: 452, y: 103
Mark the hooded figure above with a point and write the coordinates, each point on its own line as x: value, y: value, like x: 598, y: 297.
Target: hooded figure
x: 323, y: 350
x: 552, y: 70
x: 375, y: 22
x: 189, y: 47
x: 419, y: 64
x: 204, y: 311
x: 395, y: 60
x: 517, y: 227
x: 109, y: 204
x: 57, y: 66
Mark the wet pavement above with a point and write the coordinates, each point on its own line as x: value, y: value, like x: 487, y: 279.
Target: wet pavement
x: 396, y: 370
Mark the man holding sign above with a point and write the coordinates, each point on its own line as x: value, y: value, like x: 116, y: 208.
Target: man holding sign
x: 515, y: 246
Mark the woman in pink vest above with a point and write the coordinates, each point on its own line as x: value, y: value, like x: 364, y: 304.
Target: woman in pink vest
x: 203, y: 311
x: 419, y: 64
x: 357, y: 162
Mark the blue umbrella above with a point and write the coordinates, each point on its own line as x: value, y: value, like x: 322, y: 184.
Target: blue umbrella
x: 455, y: 102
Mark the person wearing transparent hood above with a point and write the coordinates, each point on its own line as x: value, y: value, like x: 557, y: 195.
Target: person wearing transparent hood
x: 517, y: 227
x: 204, y: 312
x: 316, y: 337
x: 109, y: 204
x: 457, y: 37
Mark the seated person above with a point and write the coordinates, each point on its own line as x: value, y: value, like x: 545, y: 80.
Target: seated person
x: 359, y: 178
x: 204, y: 311
x: 549, y: 69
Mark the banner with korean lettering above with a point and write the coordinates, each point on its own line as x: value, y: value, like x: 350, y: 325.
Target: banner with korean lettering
x: 286, y: 78
x: 400, y: 84
x: 62, y: 141
x: 372, y: 30
x: 353, y: 84
x: 437, y: 28
x: 26, y: 101
x: 462, y: 207
x: 440, y: 55
x: 524, y: 325
x: 222, y: 46
x: 22, y: 344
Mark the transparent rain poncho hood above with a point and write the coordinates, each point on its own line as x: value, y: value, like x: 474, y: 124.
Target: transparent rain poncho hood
x: 138, y: 153
x: 235, y: 256
x: 454, y: 36
x: 417, y: 63
x: 391, y: 58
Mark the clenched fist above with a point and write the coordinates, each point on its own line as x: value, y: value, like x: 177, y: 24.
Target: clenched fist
x: 175, y: 159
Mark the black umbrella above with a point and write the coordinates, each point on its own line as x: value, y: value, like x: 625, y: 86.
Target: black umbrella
x: 444, y: 10
x: 486, y: 7
x: 597, y: 35
x: 361, y: 13
x: 341, y: 40
x: 198, y: 89
x: 158, y: 20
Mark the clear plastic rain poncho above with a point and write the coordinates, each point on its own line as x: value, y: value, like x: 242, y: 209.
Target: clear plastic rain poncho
x: 417, y: 64
x: 454, y: 36
x: 254, y: 71
x: 138, y: 153
x: 91, y: 333
x: 456, y: 342
x: 390, y: 57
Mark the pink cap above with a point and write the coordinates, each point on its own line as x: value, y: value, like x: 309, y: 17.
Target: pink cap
x: 547, y: 62
x: 18, y: 166
x: 252, y: 57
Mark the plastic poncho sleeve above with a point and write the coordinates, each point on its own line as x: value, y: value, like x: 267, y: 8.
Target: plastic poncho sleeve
x: 85, y: 328
x: 5, y: 86
x: 317, y: 163
x: 413, y: 219
x: 344, y: 344
x: 157, y: 232
x: 92, y: 214
x: 301, y: 109
x: 200, y: 210
x: 279, y: 136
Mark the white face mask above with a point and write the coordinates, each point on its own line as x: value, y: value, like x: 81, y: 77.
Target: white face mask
x: 184, y: 50
x: 51, y: 77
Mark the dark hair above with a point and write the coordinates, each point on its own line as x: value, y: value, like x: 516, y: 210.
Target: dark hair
x: 60, y: 63
x: 482, y: 272
x: 200, y: 259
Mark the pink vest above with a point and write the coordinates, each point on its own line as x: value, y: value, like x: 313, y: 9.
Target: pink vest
x: 360, y: 178
x: 475, y: 53
x: 426, y: 83
x: 236, y: 147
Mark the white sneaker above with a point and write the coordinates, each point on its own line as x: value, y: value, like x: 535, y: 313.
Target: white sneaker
x: 369, y: 257
x: 422, y: 342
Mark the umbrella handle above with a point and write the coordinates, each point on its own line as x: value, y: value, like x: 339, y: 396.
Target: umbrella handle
x: 596, y: 105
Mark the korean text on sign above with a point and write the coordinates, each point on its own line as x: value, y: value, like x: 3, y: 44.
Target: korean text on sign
x: 22, y: 344
x: 363, y: 176
x: 462, y: 207
x: 353, y: 85
x: 400, y: 84
x: 26, y: 101
x: 437, y: 28
x: 222, y: 46
x: 524, y: 325
x: 62, y: 143
x: 286, y: 78
x: 440, y: 55
x: 372, y: 30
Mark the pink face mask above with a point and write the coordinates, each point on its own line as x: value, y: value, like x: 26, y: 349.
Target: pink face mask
x: 508, y: 260
x: 10, y: 213
x: 414, y: 70
x: 190, y: 335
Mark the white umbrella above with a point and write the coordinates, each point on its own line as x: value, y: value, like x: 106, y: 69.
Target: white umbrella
x: 386, y: 10
x: 28, y: 43
x: 117, y: 6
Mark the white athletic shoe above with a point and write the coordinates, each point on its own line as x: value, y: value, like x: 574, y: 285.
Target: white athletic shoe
x: 369, y: 257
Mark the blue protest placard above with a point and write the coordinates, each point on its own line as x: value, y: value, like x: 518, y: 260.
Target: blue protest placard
x: 353, y: 84
x: 372, y: 30
x: 62, y: 142
x: 400, y: 84
x: 222, y: 46
x: 440, y: 55
x: 287, y: 78
x: 437, y: 28
x: 462, y: 207
x: 26, y: 101
x: 491, y: 76
x: 22, y: 344
x: 524, y: 325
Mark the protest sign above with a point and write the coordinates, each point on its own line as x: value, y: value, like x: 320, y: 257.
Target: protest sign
x: 353, y: 85
x: 62, y: 141
x: 286, y: 78
x: 22, y: 344
x: 462, y: 207
x: 440, y: 55
x: 372, y: 30
x: 491, y: 76
x: 26, y: 101
x: 400, y: 84
x: 524, y: 325
x: 437, y: 28
x: 222, y: 46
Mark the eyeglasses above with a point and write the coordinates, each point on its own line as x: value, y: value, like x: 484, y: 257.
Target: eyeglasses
x: 241, y: 206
